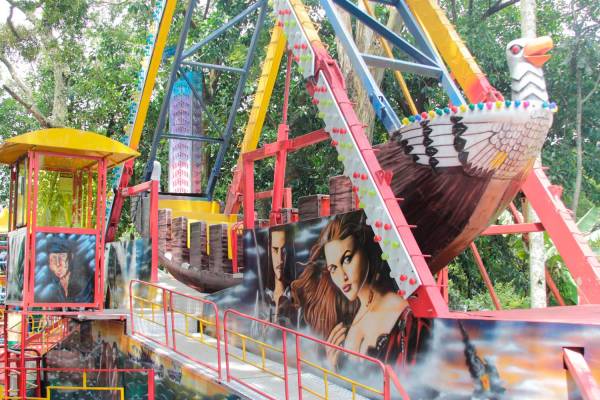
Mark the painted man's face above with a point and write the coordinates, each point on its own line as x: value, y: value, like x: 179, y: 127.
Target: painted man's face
x: 59, y: 264
x: 277, y: 252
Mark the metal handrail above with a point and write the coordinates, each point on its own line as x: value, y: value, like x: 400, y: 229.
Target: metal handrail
x: 84, y: 379
x: 169, y: 312
x: 389, y: 376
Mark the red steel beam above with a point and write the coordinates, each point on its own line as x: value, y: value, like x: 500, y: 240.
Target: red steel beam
x: 513, y: 228
x: 570, y: 243
x: 485, y: 276
x: 580, y: 372
x: 290, y: 145
x: 553, y: 288
x: 427, y: 300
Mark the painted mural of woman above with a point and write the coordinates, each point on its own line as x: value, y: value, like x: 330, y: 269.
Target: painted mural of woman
x: 347, y: 296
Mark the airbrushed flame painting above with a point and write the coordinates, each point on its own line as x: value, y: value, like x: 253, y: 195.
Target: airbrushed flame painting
x: 65, y: 268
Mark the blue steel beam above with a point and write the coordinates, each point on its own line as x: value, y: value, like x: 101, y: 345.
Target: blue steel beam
x: 360, y: 62
x: 400, y: 65
x: 179, y: 60
x: 160, y: 125
x: 423, y: 42
x: 193, y: 138
x: 385, y: 33
x: 212, y: 66
x: 222, y: 29
x: 214, y: 175
x: 198, y: 96
x: 382, y: 107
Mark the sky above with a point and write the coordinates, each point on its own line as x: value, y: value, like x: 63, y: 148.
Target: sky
x: 18, y: 16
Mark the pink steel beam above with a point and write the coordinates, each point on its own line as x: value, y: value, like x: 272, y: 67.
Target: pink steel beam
x: 567, y: 238
x: 291, y: 145
x: 580, y: 372
x: 428, y: 300
x: 281, y: 156
x: 554, y: 288
x: 514, y: 228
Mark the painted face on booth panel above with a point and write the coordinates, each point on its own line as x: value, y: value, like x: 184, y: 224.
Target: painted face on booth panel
x: 277, y: 252
x: 59, y: 264
x: 346, y: 265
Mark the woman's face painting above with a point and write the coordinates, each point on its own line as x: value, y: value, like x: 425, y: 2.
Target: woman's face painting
x: 346, y: 265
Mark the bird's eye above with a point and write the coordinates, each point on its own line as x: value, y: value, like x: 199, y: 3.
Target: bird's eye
x: 516, y: 49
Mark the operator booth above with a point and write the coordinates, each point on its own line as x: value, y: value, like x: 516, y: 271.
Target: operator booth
x: 57, y: 216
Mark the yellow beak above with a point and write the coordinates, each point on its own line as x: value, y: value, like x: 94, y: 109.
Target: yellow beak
x: 535, y: 51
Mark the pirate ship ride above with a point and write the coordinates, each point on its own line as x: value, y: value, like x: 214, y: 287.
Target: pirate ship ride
x: 154, y: 335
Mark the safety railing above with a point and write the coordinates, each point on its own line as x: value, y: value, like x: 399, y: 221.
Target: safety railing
x: 168, y: 318
x: 42, y: 332
x: 121, y: 383
x: 252, y: 348
x: 370, y: 368
x: 291, y: 352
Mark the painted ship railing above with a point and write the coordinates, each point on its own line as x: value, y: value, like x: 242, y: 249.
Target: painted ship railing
x: 264, y: 346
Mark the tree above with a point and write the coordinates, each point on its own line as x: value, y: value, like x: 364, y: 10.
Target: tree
x: 583, y: 61
x: 69, y: 64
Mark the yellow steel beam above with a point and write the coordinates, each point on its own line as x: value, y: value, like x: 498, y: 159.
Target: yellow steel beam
x: 135, y: 131
x: 262, y: 98
x: 264, y: 90
x: 459, y: 59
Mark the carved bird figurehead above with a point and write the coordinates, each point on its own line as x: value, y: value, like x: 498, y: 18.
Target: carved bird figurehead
x: 525, y: 57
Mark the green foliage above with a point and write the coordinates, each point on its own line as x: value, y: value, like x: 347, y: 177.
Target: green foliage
x: 508, y: 296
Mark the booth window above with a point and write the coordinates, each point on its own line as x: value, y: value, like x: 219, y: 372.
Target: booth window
x: 21, y: 194
x: 67, y: 192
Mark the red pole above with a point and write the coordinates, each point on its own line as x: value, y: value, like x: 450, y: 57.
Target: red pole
x: 172, y: 320
x: 226, y: 346
x: 442, y: 281
x: 151, y: 384
x: 581, y: 374
x: 234, y: 247
x: 285, y: 364
x: 299, y: 366
x: 485, y: 276
x: 553, y: 288
x: 164, y: 300
x: 218, y: 337
x: 248, y: 194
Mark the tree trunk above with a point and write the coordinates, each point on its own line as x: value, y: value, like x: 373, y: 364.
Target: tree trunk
x: 528, y: 19
x: 367, y: 42
x: 59, y: 103
x: 578, y: 142
x: 537, y: 253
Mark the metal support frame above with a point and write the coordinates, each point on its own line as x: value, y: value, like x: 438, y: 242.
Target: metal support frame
x: 271, y: 150
x: 183, y: 57
x: 427, y: 62
x: 555, y: 218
